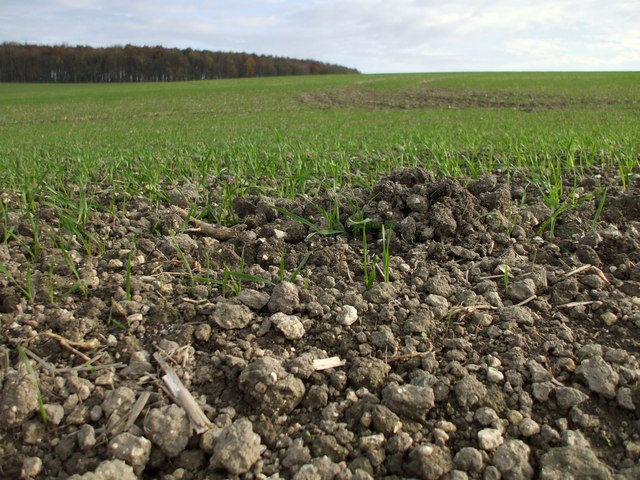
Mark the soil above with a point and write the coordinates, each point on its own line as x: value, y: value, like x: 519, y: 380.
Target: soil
x: 494, y: 350
x: 427, y: 96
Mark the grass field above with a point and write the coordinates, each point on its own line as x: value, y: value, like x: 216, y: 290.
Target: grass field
x: 293, y: 135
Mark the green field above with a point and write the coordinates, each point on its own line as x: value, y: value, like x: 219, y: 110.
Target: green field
x: 290, y: 136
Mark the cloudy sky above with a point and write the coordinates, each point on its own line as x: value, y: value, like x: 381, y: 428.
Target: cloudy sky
x: 371, y: 35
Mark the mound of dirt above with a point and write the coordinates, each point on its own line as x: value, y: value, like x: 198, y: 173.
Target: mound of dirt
x: 470, y: 342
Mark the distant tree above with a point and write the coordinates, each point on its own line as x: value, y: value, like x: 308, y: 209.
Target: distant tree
x: 63, y: 63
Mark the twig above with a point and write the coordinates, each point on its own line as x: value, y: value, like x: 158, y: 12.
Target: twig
x: 40, y: 360
x: 586, y: 268
x: 70, y: 344
x: 326, y: 363
x: 136, y: 410
x: 577, y: 304
x: 526, y: 300
x: 215, y: 231
x: 198, y: 419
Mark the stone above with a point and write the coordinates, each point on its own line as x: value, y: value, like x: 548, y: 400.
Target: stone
x: 347, y: 316
x: 269, y: 387
x: 231, y: 316
x: 468, y: 459
x: 289, y: 325
x: 519, y: 314
x: 409, y: 401
x: 253, y: 299
x: 599, y: 376
x: 329, y: 446
x: 469, y: 391
x: 55, y: 413
x: 380, y: 293
x: 385, y: 421
x: 119, y: 400
x: 19, y: 397
x: 169, y: 428
x: 567, y: 397
x: 237, y: 448
x: 31, y: 467
x: 86, y: 437
x: 489, y: 438
x: 109, y: 470
x: 520, y: 290
x: 529, y: 427
x: 429, y: 462
x: 512, y: 459
x: 284, y: 298
x: 368, y: 372
x: 132, y: 449
x: 572, y: 463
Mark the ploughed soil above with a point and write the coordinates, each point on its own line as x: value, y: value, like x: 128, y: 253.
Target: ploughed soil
x: 489, y: 343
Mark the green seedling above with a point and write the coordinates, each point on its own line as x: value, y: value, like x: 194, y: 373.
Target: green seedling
x: 27, y: 289
x: 368, y: 267
x: 183, y: 257
x: 300, y: 266
x: 599, y: 208
x: 386, y: 244
x: 27, y: 365
x: 315, y: 230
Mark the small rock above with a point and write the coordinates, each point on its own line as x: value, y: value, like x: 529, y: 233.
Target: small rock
x: 489, y: 438
x: 599, y: 375
x: 348, y: 316
x: 132, y: 449
x: 572, y: 463
x: 624, y: 398
x: 55, y: 412
x: 494, y: 375
x: 253, y: 299
x: 512, y: 459
x: 284, y: 298
x: 468, y: 459
x: 368, y: 372
x: 86, y: 437
x: 529, y: 427
x: 31, y: 467
x: 469, y: 391
x: 231, y: 316
x: 609, y: 318
x: 119, y: 400
x: 269, y: 387
x: 109, y: 470
x: 19, y: 398
x: 237, y: 448
x: 520, y: 290
x: 169, y: 428
x: 380, y: 293
x: 385, y: 421
x: 429, y: 462
x: 289, y: 325
x: 410, y: 401
x: 568, y: 397
x: 518, y: 314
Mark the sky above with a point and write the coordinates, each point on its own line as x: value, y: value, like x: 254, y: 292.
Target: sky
x: 374, y: 36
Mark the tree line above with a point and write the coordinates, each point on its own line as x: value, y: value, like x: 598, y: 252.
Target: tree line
x: 66, y: 64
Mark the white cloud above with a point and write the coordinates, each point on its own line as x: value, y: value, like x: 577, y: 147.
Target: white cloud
x: 373, y: 35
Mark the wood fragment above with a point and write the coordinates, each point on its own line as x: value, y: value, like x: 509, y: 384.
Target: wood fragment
x: 577, y: 304
x: 136, y: 410
x: 214, y: 231
x: 586, y: 268
x: 70, y: 345
x: 326, y: 363
x: 198, y: 419
x: 526, y: 300
x: 50, y: 368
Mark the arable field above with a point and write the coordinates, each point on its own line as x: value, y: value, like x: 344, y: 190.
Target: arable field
x: 462, y: 249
